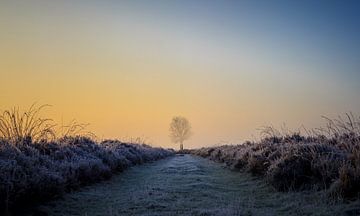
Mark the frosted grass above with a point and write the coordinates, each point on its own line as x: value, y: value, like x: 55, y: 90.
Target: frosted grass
x: 188, y: 185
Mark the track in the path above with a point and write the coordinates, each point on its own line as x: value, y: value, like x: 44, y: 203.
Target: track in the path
x: 182, y: 185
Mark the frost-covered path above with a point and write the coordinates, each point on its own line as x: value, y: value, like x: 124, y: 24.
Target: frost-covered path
x: 180, y: 185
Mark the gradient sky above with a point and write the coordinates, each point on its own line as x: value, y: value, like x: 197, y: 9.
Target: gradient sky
x: 127, y: 67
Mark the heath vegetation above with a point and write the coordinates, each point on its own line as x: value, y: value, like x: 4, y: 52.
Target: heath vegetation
x: 326, y: 158
x: 39, y: 160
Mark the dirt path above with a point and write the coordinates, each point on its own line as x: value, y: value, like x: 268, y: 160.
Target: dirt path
x: 185, y: 185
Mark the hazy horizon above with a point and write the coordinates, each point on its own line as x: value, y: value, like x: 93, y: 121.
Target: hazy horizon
x: 229, y: 67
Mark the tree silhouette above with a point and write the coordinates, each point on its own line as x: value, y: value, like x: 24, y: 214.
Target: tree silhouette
x: 180, y: 130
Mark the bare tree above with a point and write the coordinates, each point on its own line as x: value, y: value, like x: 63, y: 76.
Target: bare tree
x: 180, y: 130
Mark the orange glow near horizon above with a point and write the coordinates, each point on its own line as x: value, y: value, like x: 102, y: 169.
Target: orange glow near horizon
x: 128, y: 72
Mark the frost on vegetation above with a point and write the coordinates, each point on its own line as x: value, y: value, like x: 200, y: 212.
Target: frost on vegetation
x: 39, y: 170
x: 325, y: 159
x: 39, y: 159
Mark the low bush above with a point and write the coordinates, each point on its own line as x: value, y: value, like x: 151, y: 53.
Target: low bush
x: 37, y: 163
x: 39, y: 170
x: 327, y: 158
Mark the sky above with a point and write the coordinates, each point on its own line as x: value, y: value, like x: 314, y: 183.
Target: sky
x: 229, y: 67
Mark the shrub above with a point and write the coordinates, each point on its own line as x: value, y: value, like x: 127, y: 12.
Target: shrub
x: 36, y: 165
x: 36, y: 171
x: 328, y: 158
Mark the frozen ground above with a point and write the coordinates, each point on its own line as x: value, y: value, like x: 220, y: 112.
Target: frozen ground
x: 188, y: 185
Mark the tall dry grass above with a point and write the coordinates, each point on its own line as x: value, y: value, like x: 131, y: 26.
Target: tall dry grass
x: 16, y: 126
x: 326, y: 158
x: 40, y: 160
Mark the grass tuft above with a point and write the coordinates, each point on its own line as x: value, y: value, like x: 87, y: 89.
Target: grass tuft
x: 17, y: 126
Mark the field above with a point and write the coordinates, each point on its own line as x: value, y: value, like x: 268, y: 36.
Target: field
x: 38, y: 164
x: 190, y: 185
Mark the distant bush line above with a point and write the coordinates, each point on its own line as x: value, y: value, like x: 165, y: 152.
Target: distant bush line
x: 325, y: 159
